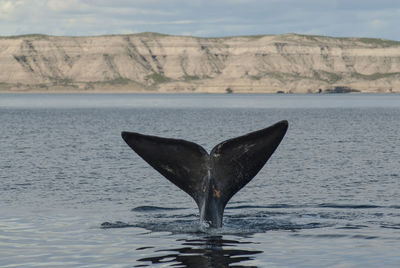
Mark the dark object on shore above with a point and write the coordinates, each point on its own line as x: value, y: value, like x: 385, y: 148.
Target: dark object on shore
x: 341, y: 89
x: 210, y: 179
x: 229, y: 90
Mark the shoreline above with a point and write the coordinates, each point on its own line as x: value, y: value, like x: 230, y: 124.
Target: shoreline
x: 151, y: 92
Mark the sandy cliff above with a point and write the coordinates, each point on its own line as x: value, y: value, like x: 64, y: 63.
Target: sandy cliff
x: 153, y: 62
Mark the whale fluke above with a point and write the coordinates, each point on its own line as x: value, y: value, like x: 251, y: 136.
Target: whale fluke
x: 210, y: 179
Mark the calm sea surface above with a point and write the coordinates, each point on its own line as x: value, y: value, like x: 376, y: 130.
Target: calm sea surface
x: 73, y: 194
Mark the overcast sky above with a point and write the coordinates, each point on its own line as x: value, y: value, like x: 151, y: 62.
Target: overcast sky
x: 358, y: 18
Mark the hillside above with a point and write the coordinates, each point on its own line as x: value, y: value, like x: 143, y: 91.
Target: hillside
x: 151, y: 62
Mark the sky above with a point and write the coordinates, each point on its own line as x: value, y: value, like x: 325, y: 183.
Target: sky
x: 203, y: 18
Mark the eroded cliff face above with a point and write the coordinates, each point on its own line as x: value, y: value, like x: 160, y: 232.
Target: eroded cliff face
x: 155, y: 62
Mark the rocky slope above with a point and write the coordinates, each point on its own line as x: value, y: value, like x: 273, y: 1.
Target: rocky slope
x: 152, y: 62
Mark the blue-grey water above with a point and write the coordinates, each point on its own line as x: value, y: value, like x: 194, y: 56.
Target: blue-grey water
x: 73, y: 194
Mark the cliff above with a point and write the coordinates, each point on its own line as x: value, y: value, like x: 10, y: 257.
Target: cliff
x: 152, y: 62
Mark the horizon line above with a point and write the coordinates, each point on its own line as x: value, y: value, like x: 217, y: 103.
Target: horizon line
x: 193, y: 36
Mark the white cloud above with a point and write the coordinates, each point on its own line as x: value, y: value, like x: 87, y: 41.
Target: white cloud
x: 133, y: 11
x: 8, y: 8
x: 66, y: 5
x: 201, y: 17
x: 378, y: 23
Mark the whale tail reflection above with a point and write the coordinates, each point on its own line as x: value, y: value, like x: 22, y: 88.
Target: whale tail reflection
x: 213, y: 251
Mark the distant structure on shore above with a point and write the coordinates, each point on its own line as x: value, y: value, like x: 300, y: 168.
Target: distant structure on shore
x: 151, y: 62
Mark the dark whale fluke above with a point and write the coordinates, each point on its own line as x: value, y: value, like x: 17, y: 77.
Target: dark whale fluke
x: 210, y: 179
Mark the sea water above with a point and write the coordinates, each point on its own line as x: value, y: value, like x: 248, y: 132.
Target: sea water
x: 73, y: 194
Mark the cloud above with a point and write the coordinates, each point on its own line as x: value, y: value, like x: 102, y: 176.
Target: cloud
x: 378, y: 24
x: 66, y: 5
x: 8, y: 8
x: 201, y: 17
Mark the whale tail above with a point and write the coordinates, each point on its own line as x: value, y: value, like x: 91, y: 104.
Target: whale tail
x: 210, y: 179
